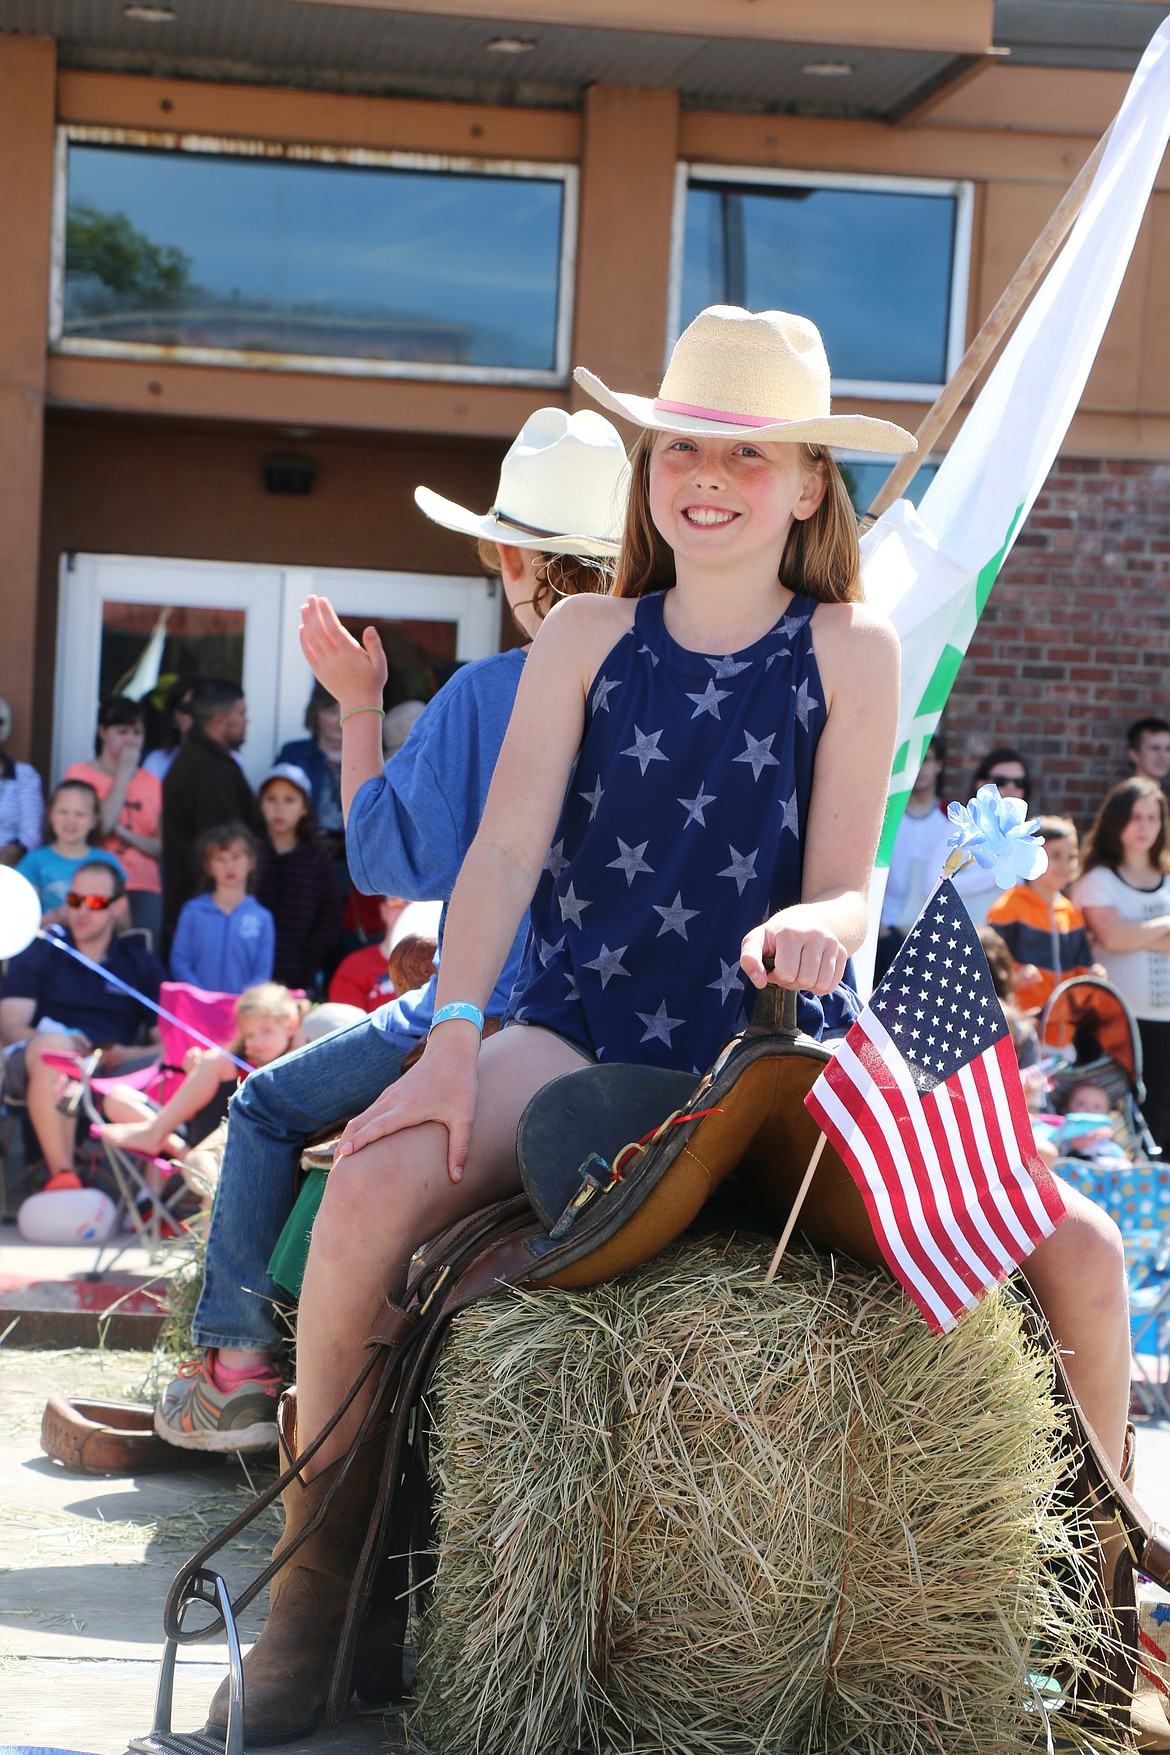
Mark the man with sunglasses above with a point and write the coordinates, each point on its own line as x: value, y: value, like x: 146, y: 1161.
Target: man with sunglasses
x: 54, y: 1005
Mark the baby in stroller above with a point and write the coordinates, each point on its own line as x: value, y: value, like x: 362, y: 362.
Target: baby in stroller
x: 1098, y: 1132
x: 1086, y: 1130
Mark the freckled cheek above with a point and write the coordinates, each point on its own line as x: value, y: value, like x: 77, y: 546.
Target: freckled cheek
x: 661, y: 497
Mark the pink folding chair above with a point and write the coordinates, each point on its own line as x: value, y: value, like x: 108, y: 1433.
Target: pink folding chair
x: 198, y: 1018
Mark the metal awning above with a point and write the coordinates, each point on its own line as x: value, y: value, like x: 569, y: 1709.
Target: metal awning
x: 872, y: 62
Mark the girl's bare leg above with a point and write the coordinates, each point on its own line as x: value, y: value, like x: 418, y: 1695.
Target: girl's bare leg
x: 132, y: 1120
x: 1078, y: 1276
x: 380, y: 1204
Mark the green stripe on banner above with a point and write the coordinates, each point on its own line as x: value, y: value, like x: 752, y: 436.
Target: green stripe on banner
x: 942, y: 681
x: 937, y: 693
x: 989, y: 573
x: 895, y: 805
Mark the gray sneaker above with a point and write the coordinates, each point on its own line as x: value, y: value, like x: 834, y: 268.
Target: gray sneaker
x: 196, y: 1414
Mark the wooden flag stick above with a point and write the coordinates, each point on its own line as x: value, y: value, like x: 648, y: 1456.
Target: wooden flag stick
x: 801, y: 1193
x: 1020, y: 288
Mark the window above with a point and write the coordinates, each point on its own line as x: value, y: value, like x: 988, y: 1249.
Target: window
x: 864, y: 474
x: 880, y: 265
x: 372, y: 263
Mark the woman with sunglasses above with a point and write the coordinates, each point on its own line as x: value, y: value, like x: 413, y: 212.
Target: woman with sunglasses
x: 53, y: 1004
x: 1007, y: 769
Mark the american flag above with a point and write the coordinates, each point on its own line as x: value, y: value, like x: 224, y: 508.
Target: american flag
x: 923, y: 1102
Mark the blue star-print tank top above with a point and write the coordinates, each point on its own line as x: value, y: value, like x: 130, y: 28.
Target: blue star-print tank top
x: 682, y: 829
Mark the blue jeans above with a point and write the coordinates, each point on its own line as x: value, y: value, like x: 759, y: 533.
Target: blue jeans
x: 271, y: 1117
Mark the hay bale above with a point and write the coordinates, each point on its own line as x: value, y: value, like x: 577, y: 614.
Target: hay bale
x: 691, y: 1511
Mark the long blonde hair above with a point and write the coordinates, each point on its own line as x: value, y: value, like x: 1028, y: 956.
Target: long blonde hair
x: 821, y: 558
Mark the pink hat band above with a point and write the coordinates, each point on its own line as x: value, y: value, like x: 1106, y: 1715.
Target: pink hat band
x: 731, y: 420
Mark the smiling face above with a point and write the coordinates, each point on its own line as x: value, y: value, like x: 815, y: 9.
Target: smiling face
x: 72, y: 816
x: 725, y: 502
x: 92, y: 928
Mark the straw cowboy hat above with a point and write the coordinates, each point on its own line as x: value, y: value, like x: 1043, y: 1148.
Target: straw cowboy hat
x: 563, y: 488
x: 743, y: 374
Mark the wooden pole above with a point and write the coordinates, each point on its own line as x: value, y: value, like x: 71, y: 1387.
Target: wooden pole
x: 1023, y: 283
x: 801, y: 1193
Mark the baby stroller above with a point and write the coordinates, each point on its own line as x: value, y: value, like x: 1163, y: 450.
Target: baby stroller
x: 1090, y: 1036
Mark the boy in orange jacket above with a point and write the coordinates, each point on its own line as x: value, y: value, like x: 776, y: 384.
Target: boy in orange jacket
x: 1044, y: 932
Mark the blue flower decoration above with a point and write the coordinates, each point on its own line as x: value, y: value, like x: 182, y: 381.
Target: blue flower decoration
x: 995, y: 833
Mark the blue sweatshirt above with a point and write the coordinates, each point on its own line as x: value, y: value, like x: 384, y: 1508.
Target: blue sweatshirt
x: 408, y: 831
x: 223, y: 953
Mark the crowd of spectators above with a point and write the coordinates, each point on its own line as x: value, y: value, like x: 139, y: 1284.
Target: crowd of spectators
x: 168, y: 862
x: 167, y: 865
x: 1101, y: 910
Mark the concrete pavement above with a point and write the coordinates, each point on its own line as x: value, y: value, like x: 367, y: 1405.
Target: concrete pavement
x: 84, y: 1567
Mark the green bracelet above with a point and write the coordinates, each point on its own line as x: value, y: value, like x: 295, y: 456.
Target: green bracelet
x: 380, y: 711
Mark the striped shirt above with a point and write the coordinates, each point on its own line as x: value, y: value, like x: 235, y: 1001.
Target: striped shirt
x: 22, y: 804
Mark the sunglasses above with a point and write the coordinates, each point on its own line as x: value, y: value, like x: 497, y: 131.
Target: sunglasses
x: 95, y: 904
x: 1008, y: 780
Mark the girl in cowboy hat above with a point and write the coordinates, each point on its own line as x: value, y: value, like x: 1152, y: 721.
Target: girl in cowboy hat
x: 715, y: 741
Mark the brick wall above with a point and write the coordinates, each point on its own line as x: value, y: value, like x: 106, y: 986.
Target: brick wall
x: 1075, y: 641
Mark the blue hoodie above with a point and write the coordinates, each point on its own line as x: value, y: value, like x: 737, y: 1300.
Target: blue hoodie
x: 223, y: 953
x: 409, y: 830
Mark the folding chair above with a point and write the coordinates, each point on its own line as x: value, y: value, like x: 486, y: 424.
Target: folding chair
x: 142, y: 1179
x: 143, y: 1214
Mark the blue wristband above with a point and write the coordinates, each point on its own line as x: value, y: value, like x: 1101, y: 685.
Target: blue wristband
x: 459, y: 1008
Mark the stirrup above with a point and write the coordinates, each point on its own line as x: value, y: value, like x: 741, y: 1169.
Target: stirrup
x: 206, y: 1587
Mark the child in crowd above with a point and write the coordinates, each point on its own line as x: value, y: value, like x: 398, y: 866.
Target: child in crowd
x: 1042, y: 929
x: 1023, y: 1030
x: 363, y: 978
x: 267, y: 1018
x: 190, y: 1128
x: 297, y: 879
x: 224, y: 940
x: 1086, y: 1130
x: 74, y: 821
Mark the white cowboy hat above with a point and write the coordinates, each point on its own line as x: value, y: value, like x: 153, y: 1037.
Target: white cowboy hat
x: 563, y: 488
x: 744, y: 374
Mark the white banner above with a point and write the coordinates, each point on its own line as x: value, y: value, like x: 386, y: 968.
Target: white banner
x: 931, y: 570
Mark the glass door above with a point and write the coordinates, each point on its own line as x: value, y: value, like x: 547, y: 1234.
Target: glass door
x: 128, y: 622
x: 428, y: 624
x: 121, y: 614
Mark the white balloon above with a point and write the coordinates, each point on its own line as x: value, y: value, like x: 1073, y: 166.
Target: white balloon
x: 20, y: 912
x: 66, y: 1215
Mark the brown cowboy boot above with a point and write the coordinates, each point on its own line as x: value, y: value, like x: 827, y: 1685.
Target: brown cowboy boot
x: 1147, y: 1720
x: 288, y: 1670
x: 1150, y: 1717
